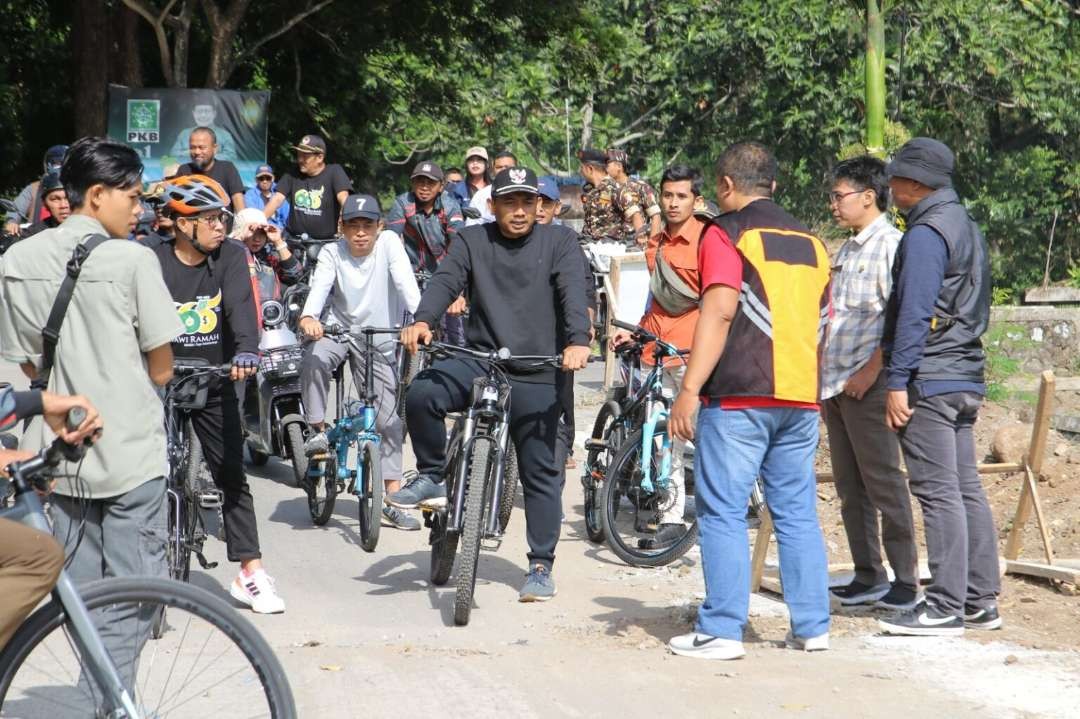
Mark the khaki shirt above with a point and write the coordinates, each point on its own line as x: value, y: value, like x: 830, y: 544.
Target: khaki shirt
x: 120, y: 310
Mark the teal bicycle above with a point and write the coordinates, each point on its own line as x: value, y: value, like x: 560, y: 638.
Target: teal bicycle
x: 635, y: 489
x: 329, y: 474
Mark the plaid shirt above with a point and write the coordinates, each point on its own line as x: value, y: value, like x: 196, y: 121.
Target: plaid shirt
x: 862, y: 281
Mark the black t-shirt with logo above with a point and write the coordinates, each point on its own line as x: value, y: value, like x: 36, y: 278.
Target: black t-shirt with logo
x: 214, y: 303
x: 313, y: 204
x: 223, y: 171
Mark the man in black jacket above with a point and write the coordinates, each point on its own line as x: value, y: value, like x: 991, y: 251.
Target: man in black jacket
x: 210, y: 284
x: 524, y: 281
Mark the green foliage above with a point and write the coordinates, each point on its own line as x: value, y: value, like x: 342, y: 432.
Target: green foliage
x: 1002, y: 295
x: 1002, y: 342
x: 667, y: 80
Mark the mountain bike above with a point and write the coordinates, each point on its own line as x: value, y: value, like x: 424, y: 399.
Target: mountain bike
x: 354, y: 426
x: 187, y: 495
x: 480, y: 489
x: 87, y: 652
x: 628, y: 465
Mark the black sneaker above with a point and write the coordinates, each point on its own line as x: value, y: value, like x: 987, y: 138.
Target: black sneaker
x: 898, y: 598
x: 858, y: 593
x: 667, y: 535
x: 924, y: 620
x: 982, y: 617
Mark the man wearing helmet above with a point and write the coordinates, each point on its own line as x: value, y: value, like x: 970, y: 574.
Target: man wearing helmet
x: 55, y: 201
x: 28, y: 205
x: 209, y: 282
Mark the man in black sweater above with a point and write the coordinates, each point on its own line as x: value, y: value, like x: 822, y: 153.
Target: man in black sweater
x: 211, y: 286
x: 525, y: 283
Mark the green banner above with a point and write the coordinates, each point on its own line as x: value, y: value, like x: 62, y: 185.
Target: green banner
x: 158, y: 121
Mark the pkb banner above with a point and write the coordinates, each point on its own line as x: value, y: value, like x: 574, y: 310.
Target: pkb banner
x: 157, y: 123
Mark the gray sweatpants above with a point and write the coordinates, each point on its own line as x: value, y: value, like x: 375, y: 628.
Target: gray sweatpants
x: 866, y: 466
x: 321, y: 358
x: 961, y: 544
x: 123, y: 536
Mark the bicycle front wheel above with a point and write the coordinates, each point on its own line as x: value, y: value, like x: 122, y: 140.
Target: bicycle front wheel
x: 633, y: 515
x: 370, y: 494
x: 209, y: 662
x: 472, y: 531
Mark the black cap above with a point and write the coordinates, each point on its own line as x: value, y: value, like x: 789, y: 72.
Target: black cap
x: 49, y: 182
x: 364, y: 206
x: 311, y: 144
x: 924, y: 160
x: 592, y: 157
x: 515, y: 179
x: 428, y: 169
x: 614, y: 154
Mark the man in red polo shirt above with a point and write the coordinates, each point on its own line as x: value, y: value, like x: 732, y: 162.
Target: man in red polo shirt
x: 765, y: 292
x: 672, y: 314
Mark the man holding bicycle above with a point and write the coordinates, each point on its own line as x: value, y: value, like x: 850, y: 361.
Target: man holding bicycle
x: 364, y: 280
x: 672, y: 314
x: 210, y: 284
x: 512, y: 269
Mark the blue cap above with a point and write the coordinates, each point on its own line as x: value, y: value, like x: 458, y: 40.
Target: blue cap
x: 264, y: 170
x: 360, y: 206
x: 549, y: 189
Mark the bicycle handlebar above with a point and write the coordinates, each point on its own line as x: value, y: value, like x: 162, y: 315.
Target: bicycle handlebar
x: 55, y: 453
x: 184, y: 369
x: 643, y: 336
x: 499, y: 356
x: 339, y: 331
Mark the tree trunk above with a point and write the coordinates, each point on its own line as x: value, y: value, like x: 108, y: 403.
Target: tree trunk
x: 586, y: 122
x: 127, y: 66
x: 223, y: 28
x: 875, y: 78
x: 182, y: 43
x: 89, y: 53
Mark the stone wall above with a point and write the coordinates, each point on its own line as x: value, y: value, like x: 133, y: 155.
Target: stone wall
x: 1038, y: 337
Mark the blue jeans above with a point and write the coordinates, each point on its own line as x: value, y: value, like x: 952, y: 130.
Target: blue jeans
x: 734, y: 447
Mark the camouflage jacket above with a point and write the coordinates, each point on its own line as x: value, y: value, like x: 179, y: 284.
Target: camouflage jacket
x: 636, y: 195
x: 603, y: 216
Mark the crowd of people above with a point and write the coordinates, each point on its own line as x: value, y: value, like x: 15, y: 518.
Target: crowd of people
x: 883, y: 339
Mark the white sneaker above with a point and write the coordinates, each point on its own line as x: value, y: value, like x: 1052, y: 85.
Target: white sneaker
x: 257, y: 591
x: 703, y: 646
x: 820, y: 643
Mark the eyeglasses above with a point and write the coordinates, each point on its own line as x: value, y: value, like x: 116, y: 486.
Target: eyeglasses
x: 219, y: 218
x: 835, y: 197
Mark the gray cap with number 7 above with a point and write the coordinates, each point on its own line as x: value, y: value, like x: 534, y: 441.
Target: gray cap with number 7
x: 364, y: 206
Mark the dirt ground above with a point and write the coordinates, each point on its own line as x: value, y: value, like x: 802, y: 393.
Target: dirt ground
x: 1038, y: 614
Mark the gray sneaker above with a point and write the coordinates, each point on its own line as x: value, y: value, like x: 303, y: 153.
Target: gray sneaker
x: 539, y: 586
x: 422, y: 491
x: 316, y: 444
x: 399, y: 520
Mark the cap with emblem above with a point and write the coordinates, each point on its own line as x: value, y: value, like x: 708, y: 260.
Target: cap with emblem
x: 476, y: 152
x: 429, y: 170
x: 514, y: 179
x: 548, y: 188
x: 364, y: 206
x: 311, y: 144
x: 592, y: 157
x: 264, y: 171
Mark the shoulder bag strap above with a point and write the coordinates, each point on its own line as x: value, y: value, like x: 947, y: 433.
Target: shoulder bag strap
x: 50, y: 334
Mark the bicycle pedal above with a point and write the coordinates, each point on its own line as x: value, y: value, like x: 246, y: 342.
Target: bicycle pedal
x: 491, y: 544
x: 595, y: 444
x: 210, y: 498
x: 203, y: 563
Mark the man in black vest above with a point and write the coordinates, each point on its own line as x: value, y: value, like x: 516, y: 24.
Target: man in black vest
x: 937, y: 314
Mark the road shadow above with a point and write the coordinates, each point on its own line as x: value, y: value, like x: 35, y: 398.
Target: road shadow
x: 629, y: 617
x: 294, y: 513
x: 411, y: 573
x: 277, y: 470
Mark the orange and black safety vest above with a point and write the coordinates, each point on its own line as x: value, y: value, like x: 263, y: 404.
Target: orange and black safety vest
x: 776, y: 339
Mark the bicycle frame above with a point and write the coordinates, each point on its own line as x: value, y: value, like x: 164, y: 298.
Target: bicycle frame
x: 28, y: 510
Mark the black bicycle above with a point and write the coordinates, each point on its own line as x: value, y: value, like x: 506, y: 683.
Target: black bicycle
x: 87, y: 652
x: 481, y: 473
x: 187, y: 495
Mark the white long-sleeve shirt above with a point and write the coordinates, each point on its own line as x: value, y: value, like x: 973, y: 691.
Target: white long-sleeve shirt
x: 371, y: 291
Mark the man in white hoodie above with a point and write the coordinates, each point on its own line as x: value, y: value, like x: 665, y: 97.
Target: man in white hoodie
x: 368, y: 279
